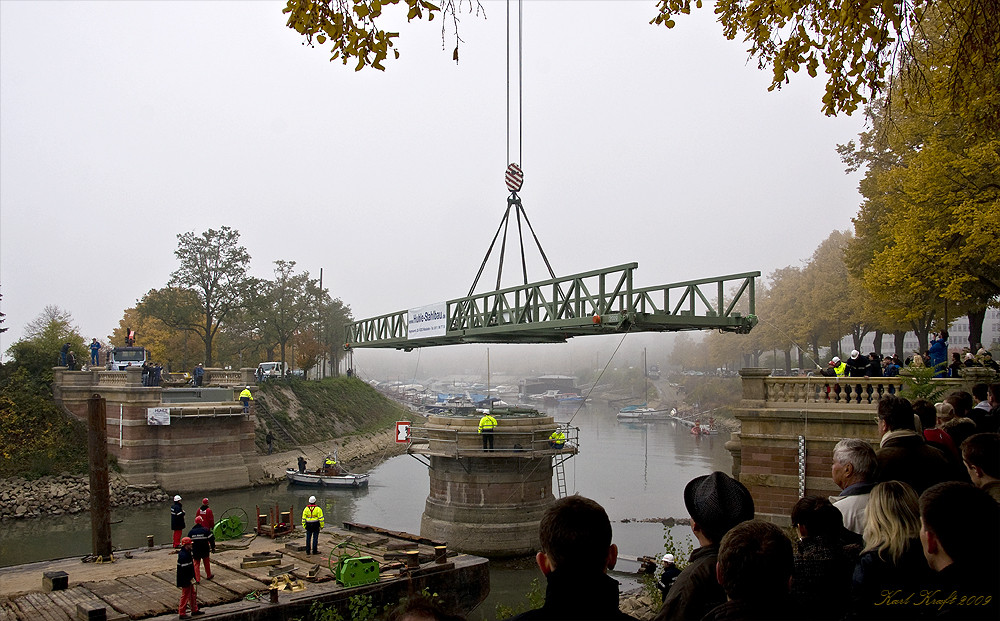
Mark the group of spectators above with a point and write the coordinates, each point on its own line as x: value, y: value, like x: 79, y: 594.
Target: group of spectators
x: 913, y: 534
x: 152, y: 373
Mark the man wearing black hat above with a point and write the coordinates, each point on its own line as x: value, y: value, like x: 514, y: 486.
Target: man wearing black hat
x: 717, y: 502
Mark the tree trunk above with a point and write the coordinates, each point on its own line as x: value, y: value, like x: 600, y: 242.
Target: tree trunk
x: 922, y: 329
x: 897, y: 340
x: 788, y: 361
x: 878, y: 343
x: 834, y: 348
x: 976, y: 319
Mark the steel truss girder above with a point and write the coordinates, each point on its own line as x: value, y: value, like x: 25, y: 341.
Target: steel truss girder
x: 596, y: 302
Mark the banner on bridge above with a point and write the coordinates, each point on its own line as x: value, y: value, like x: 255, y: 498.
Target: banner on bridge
x: 427, y: 321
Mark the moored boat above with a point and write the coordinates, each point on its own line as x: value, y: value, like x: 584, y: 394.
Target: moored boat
x: 642, y: 412
x: 317, y: 479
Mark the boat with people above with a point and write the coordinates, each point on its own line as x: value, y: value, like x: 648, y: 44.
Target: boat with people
x: 319, y: 479
x: 700, y: 429
x: 330, y: 474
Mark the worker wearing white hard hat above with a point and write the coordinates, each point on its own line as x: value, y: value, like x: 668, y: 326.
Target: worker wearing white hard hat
x: 312, y: 522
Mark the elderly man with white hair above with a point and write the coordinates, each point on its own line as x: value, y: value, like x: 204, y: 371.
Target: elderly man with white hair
x: 853, y: 470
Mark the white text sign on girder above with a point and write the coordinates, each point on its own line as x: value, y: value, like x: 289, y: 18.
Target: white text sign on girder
x: 157, y: 416
x: 427, y: 321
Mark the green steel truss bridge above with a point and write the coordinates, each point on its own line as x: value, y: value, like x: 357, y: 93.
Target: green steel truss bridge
x: 551, y: 311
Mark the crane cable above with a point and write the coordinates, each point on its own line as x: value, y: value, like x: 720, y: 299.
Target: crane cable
x: 520, y: 81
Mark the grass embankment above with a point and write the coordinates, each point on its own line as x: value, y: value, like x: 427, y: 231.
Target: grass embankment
x: 36, y: 438
x: 306, y: 412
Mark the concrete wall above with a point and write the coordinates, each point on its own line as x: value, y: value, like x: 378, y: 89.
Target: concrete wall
x: 208, y: 446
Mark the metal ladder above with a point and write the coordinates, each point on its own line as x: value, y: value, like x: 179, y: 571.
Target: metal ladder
x: 560, y: 479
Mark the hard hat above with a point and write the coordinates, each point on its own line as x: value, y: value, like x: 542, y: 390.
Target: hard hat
x: 198, y: 519
x: 312, y: 500
x: 185, y: 541
x: 248, y: 388
x: 669, y: 558
x: 204, y: 501
x: 177, y: 498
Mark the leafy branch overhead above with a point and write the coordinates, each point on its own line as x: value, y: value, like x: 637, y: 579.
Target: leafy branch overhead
x: 351, y: 27
x: 857, y: 43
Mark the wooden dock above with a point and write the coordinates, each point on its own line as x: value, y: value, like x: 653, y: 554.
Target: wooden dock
x: 243, y: 589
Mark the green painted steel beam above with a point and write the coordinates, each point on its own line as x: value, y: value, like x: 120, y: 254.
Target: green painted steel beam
x: 551, y: 311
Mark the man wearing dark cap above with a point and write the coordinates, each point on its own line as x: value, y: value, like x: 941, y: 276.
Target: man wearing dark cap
x: 716, y: 502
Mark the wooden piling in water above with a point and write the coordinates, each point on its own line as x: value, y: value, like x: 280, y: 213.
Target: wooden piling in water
x: 100, y: 492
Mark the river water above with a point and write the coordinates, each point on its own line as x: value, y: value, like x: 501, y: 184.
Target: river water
x: 637, y: 471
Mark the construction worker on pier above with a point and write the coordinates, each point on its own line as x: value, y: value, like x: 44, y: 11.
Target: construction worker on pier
x: 246, y: 397
x: 557, y: 440
x: 312, y: 522
x: 486, y: 426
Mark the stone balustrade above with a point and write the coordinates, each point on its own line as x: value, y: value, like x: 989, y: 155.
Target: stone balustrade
x: 776, y: 412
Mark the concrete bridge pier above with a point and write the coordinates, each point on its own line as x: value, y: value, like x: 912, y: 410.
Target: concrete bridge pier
x: 208, y: 444
x: 488, y: 503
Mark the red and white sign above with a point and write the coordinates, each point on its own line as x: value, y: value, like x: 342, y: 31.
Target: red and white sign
x: 402, y: 431
x: 514, y: 177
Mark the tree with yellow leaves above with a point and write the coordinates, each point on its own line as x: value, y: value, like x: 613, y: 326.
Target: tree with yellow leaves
x: 926, y: 234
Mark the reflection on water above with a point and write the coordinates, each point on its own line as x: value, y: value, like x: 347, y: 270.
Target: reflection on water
x: 636, y: 470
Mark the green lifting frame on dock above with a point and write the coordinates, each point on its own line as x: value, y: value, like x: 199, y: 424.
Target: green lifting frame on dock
x: 552, y: 311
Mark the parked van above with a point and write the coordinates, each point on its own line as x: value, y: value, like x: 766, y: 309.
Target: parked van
x: 121, y: 358
x: 266, y: 370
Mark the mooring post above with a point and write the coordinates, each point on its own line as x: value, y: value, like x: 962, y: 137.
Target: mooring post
x: 100, y: 494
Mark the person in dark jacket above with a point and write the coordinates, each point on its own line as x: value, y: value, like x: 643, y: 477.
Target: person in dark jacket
x: 938, y: 352
x: 960, y: 539
x: 857, y: 365
x: 668, y: 575
x: 186, y: 580
x: 754, y: 567
x: 177, y: 520
x: 576, y: 554
x: 203, y: 543
x: 824, y: 557
x: 716, y: 503
x: 903, y: 455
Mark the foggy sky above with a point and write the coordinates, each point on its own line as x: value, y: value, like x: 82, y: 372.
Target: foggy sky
x: 123, y: 124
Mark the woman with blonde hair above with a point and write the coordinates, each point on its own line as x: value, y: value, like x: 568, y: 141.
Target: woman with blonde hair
x: 892, y: 560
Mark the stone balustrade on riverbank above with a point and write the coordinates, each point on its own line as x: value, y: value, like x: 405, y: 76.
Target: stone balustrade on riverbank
x: 789, y: 426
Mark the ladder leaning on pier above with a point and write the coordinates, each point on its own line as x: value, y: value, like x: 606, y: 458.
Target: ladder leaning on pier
x: 560, y: 469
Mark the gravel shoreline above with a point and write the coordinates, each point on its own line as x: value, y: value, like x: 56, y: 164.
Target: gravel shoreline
x: 70, y: 494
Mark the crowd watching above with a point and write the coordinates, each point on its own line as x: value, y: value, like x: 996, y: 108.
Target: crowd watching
x: 913, y: 534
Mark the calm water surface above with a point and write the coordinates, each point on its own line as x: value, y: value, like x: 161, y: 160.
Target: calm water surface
x: 636, y: 470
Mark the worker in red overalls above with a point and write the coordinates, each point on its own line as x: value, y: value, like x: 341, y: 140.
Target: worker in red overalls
x: 207, y: 518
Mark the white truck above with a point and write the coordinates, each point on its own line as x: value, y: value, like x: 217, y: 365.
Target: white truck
x: 268, y: 370
x: 120, y: 358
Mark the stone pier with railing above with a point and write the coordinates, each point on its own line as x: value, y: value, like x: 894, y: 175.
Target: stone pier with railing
x: 489, y: 502
x: 187, y: 439
x: 789, y: 426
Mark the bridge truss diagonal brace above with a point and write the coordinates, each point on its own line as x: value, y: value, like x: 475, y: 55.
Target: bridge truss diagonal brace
x: 598, y: 302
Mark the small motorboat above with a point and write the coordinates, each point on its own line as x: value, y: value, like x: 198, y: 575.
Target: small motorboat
x: 641, y: 412
x: 319, y: 478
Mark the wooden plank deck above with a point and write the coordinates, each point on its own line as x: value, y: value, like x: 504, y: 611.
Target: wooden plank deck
x: 7, y: 612
x: 124, y: 598
x: 32, y: 608
x: 156, y: 589
x: 151, y: 591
